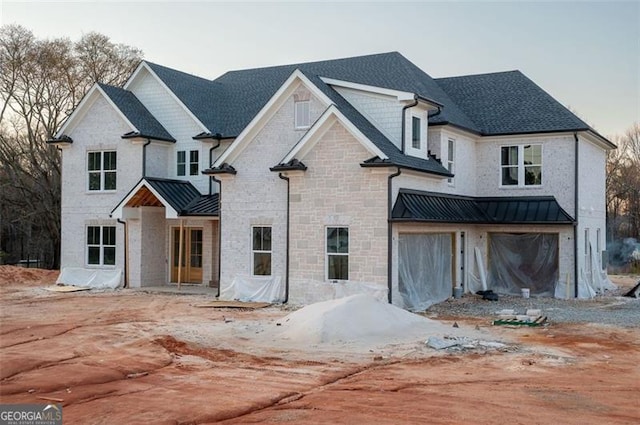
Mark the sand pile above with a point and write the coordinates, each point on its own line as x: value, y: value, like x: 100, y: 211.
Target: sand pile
x: 21, y: 276
x: 357, y: 318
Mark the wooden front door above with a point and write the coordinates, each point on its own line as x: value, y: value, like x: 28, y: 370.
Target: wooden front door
x: 191, y: 267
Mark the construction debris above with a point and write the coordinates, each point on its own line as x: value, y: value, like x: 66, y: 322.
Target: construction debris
x: 634, y: 292
x: 459, y: 343
x: 522, y: 321
x: 66, y: 288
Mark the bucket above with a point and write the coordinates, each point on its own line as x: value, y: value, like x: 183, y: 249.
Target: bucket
x: 457, y: 292
x: 525, y: 292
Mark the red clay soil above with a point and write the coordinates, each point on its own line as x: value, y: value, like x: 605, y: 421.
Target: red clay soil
x: 129, y: 357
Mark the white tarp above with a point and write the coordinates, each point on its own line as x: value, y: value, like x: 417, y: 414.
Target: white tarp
x: 91, y: 278
x: 527, y: 260
x: 424, y: 267
x: 268, y: 289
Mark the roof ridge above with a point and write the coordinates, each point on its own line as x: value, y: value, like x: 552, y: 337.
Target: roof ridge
x: 482, y: 74
x: 166, y: 68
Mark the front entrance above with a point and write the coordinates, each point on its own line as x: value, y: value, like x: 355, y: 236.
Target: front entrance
x: 189, y: 270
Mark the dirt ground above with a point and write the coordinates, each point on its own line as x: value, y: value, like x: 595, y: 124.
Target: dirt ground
x: 128, y: 357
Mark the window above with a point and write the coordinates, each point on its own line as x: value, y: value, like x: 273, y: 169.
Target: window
x: 101, y: 167
x: 302, y: 114
x: 181, y: 163
x: 194, y: 164
x: 415, y: 133
x: 337, y: 253
x: 451, y: 148
x: 261, y: 250
x: 101, y: 245
x: 521, y: 165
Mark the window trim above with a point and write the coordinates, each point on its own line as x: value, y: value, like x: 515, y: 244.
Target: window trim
x: 261, y: 251
x: 327, y: 253
x: 421, y: 151
x: 297, y: 124
x: 101, y: 172
x: 521, y: 166
x: 101, y: 246
x: 182, y: 163
x: 451, y: 158
x: 196, y: 162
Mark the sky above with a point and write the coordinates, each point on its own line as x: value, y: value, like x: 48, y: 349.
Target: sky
x: 586, y: 54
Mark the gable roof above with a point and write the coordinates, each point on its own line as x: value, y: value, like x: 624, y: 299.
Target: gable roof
x: 137, y: 114
x: 412, y: 206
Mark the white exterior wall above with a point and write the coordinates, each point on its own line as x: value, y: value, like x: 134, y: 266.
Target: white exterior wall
x: 255, y: 196
x: 591, y: 202
x: 336, y: 191
x: 558, y: 172
x: 464, y: 164
x: 157, y: 157
x: 177, y: 122
x: 384, y: 112
x: 99, y: 130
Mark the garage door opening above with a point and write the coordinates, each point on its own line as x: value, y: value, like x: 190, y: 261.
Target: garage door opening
x: 424, y: 269
x: 526, y: 260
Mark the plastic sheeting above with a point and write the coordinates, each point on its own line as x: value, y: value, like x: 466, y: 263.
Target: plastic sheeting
x: 527, y: 260
x: 90, y: 278
x: 268, y: 289
x: 424, y: 269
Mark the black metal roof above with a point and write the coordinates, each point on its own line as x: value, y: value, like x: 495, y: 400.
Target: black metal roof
x: 431, y: 207
x: 184, y: 197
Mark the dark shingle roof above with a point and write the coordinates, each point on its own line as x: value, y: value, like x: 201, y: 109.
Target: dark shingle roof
x: 508, y: 103
x: 440, y: 208
x: 184, y: 197
x: 136, y: 113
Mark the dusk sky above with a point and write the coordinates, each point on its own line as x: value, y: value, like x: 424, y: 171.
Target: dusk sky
x: 585, y: 54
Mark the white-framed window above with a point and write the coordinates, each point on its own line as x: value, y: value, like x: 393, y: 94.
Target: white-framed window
x: 181, y: 163
x: 521, y: 165
x: 101, y: 245
x: 451, y: 157
x: 194, y: 163
x: 101, y: 169
x: 416, y: 133
x: 261, y: 250
x: 337, y: 253
x: 302, y: 114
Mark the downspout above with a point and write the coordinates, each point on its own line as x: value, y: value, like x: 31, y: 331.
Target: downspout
x: 126, y: 253
x: 219, y: 232
x: 404, y: 124
x: 575, y: 225
x: 286, y: 276
x: 144, y: 157
x: 390, y: 234
x: 218, y: 137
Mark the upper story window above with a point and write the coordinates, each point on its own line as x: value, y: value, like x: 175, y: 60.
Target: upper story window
x: 101, y: 167
x: 521, y: 165
x: 416, y: 133
x: 101, y: 245
x: 261, y: 250
x: 337, y: 253
x: 451, y: 157
x: 181, y: 163
x: 302, y: 114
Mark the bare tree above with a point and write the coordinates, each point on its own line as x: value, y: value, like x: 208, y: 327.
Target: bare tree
x: 41, y: 82
x: 623, y: 185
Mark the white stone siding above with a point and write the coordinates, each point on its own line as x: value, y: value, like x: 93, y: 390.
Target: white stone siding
x: 418, y: 181
x: 99, y: 130
x: 557, y: 168
x: 157, y: 157
x: 177, y: 122
x: 591, y: 200
x: 256, y: 196
x: 384, y: 112
x: 477, y: 236
x: 464, y: 164
x: 336, y: 191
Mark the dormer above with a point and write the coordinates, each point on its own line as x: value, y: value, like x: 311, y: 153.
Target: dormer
x: 401, y: 116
